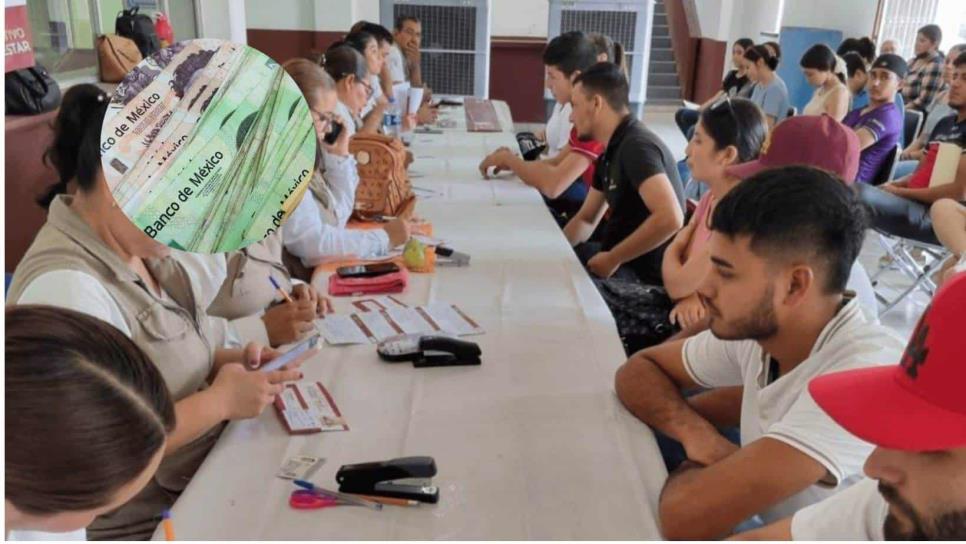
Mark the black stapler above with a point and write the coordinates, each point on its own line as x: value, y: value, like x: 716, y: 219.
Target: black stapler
x: 403, y: 478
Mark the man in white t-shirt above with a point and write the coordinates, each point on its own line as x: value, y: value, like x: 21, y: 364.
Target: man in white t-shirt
x: 563, y: 178
x: 782, y: 245
x: 404, y: 57
x: 915, y: 414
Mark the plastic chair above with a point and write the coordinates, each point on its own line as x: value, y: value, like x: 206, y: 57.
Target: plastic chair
x: 888, y: 169
x: 911, y: 126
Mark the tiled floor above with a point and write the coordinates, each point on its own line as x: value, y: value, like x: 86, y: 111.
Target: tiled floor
x: 902, y: 318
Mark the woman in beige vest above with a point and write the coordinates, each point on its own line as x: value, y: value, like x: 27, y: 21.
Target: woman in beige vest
x: 827, y: 73
x: 68, y: 462
x: 91, y: 258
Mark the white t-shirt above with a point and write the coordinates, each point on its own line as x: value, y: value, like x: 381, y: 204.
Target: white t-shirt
x: 558, y: 128
x: 376, y: 93
x: 783, y: 409
x: 857, y: 513
x: 397, y: 65
x: 349, y: 120
x: 80, y: 534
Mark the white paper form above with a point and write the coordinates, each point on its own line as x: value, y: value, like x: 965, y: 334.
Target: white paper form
x: 342, y: 329
x: 452, y: 319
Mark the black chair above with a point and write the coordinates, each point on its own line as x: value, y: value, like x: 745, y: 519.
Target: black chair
x: 911, y: 126
x: 888, y: 169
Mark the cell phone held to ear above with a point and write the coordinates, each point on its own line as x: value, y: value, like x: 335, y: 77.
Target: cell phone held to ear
x: 367, y: 271
x: 334, y: 132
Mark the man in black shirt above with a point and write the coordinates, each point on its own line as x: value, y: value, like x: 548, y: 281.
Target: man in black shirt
x: 635, y: 178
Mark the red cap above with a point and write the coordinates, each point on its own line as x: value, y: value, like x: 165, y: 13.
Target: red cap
x: 810, y: 140
x: 918, y: 405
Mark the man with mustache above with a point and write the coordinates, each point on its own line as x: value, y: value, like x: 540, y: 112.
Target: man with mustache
x: 782, y: 245
x: 915, y: 414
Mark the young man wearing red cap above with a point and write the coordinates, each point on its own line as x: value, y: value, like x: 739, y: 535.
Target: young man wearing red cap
x: 915, y: 414
x: 901, y: 208
x: 782, y: 245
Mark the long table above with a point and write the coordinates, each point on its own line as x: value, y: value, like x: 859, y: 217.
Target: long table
x: 532, y: 444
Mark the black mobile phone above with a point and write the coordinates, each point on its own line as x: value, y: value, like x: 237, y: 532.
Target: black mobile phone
x: 333, y: 133
x: 367, y: 271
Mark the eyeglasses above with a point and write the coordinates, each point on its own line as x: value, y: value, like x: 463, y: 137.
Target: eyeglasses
x: 367, y: 85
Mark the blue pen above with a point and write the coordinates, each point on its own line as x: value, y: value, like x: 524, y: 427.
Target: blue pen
x: 280, y: 290
x: 337, y: 495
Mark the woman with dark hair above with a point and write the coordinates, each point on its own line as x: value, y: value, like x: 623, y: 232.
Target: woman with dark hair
x: 88, y: 416
x: 348, y: 69
x: 731, y: 131
x: 90, y: 257
x: 770, y: 92
x: 857, y: 75
x: 735, y: 83
x: 372, y: 113
x: 609, y: 51
x: 826, y: 72
x: 385, y: 40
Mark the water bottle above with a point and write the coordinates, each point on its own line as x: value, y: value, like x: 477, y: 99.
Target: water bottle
x: 392, y: 119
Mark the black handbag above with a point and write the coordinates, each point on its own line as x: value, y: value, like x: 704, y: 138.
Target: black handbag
x: 139, y: 28
x: 31, y: 91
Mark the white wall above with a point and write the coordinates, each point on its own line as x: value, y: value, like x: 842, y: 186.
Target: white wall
x: 853, y: 17
x: 507, y: 17
x: 519, y: 18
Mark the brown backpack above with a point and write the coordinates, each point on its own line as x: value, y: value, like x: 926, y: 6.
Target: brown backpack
x: 117, y: 56
x: 384, y: 187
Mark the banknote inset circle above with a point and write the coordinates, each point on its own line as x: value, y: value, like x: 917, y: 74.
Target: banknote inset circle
x: 207, y: 145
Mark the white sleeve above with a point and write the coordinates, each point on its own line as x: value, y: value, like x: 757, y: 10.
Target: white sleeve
x: 396, y: 67
x: 310, y: 239
x: 807, y: 428
x: 712, y: 362
x: 342, y: 178
x: 856, y: 513
x: 75, y: 290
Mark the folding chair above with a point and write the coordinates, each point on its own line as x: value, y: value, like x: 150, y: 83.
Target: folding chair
x: 912, y: 124
x: 888, y: 169
x: 901, y: 256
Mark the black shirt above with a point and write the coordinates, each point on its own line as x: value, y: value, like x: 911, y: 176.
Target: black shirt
x: 633, y: 155
x: 736, y: 86
x: 949, y: 130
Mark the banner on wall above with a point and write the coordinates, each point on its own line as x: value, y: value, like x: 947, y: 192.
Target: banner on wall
x: 20, y: 50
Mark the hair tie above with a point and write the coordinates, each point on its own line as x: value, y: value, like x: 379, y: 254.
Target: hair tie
x: 840, y: 67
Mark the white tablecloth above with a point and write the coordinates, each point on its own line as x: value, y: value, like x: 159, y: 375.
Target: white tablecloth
x: 533, y: 444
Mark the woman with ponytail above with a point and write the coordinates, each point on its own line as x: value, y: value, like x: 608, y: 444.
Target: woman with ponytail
x: 769, y: 92
x: 609, y: 51
x: 91, y: 258
x: 825, y: 71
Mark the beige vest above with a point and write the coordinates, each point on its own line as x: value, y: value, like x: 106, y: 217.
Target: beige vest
x: 173, y: 332
x: 247, y: 289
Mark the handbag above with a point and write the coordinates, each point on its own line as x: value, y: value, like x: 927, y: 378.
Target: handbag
x: 31, y: 91
x: 530, y: 146
x: 139, y: 28
x: 384, y: 188
x: 116, y: 56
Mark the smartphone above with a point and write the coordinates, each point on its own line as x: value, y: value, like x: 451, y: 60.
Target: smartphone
x: 366, y: 271
x: 333, y: 134
x: 292, y: 354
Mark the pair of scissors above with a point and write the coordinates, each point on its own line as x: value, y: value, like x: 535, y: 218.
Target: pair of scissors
x: 303, y: 499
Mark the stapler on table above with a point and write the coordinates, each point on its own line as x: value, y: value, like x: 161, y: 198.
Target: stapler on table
x: 404, y: 478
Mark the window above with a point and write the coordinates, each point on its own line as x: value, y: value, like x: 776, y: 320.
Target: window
x: 64, y: 31
x: 902, y: 18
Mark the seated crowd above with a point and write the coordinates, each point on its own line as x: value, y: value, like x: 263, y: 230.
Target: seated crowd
x: 781, y: 406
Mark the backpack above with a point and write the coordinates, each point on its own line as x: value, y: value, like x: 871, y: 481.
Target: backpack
x: 140, y: 28
x: 30, y: 91
x: 384, y: 187
x: 116, y: 56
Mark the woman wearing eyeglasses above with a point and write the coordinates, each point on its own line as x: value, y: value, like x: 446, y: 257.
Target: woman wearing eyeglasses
x: 351, y: 75
x: 730, y: 131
